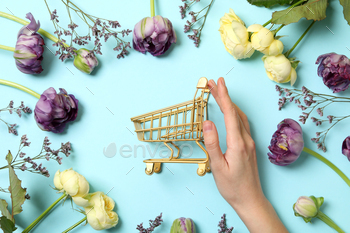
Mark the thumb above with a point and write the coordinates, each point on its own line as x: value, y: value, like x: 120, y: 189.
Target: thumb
x: 211, y: 141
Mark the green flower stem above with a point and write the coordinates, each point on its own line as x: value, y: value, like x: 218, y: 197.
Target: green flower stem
x: 12, y: 49
x: 329, y: 163
x: 329, y: 221
x: 267, y: 23
x: 298, y: 41
x: 36, y: 221
x: 20, y: 87
x: 152, y: 8
x: 24, y: 22
x: 280, y: 27
x: 75, y: 225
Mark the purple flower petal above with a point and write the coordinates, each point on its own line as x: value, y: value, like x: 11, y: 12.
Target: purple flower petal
x: 335, y: 71
x: 29, y: 48
x: 287, y: 143
x: 346, y: 147
x: 53, y: 110
x: 154, y: 35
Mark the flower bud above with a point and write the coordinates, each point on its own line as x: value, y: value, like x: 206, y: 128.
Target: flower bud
x: 29, y: 48
x: 335, y: 71
x: 53, y: 111
x: 235, y: 36
x: 85, y: 61
x: 183, y: 225
x: 307, y: 207
x: 279, y: 69
x: 154, y: 35
x: 264, y: 41
x: 71, y: 182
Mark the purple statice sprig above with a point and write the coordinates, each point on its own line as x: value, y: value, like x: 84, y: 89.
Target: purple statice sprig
x: 18, y: 110
x: 186, y: 6
x: 222, y: 225
x: 152, y: 225
x: 197, y: 18
x: 98, y: 29
x: 310, y: 102
x: 27, y: 163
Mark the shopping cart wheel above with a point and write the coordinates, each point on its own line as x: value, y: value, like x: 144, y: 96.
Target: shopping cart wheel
x: 201, y: 171
x: 157, y: 167
x: 149, y: 168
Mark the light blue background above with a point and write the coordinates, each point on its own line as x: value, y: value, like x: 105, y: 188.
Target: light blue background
x: 142, y: 83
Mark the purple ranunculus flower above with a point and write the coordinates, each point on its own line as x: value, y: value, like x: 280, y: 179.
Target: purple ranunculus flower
x: 287, y: 143
x: 29, y: 48
x: 154, y: 35
x: 346, y: 147
x: 335, y: 71
x: 53, y: 110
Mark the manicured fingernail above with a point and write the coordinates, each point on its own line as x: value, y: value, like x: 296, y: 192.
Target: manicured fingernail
x: 222, y: 81
x: 207, y: 126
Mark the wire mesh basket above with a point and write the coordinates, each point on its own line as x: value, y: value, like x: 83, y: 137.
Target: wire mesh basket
x: 180, y: 122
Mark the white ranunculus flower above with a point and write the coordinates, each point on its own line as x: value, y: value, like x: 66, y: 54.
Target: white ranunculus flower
x: 279, y: 69
x: 71, y: 182
x: 235, y: 36
x: 100, y: 214
x: 264, y: 41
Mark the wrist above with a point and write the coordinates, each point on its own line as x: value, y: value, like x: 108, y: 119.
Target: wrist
x: 259, y: 215
x: 249, y: 203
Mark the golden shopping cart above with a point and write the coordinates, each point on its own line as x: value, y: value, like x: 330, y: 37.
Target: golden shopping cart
x: 180, y: 122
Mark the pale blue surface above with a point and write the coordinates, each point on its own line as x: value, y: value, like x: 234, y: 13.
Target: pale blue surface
x: 142, y: 83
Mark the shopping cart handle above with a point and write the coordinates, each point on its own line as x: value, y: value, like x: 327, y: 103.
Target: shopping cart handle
x: 202, y: 83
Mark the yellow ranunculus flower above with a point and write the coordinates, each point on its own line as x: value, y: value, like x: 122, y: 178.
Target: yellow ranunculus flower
x: 235, y: 36
x: 279, y: 69
x: 71, y: 182
x: 100, y: 214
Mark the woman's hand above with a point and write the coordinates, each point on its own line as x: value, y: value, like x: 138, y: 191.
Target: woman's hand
x: 235, y: 171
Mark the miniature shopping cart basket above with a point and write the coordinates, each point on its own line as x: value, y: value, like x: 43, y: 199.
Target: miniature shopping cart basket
x: 180, y: 122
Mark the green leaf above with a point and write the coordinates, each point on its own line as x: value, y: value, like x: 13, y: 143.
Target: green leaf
x: 17, y: 192
x: 311, y: 10
x: 346, y: 11
x: 270, y: 3
x: 3, y: 208
x: 7, y: 225
x: 9, y: 157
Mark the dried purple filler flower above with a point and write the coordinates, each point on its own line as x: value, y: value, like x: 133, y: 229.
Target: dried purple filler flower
x: 223, y: 227
x: 197, y: 18
x: 98, y: 29
x: 308, y: 102
x: 27, y: 163
x: 18, y: 110
x: 335, y: 71
x: 152, y: 225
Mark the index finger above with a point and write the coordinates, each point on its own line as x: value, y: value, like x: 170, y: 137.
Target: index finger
x: 214, y: 91
x: 232, y: 121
